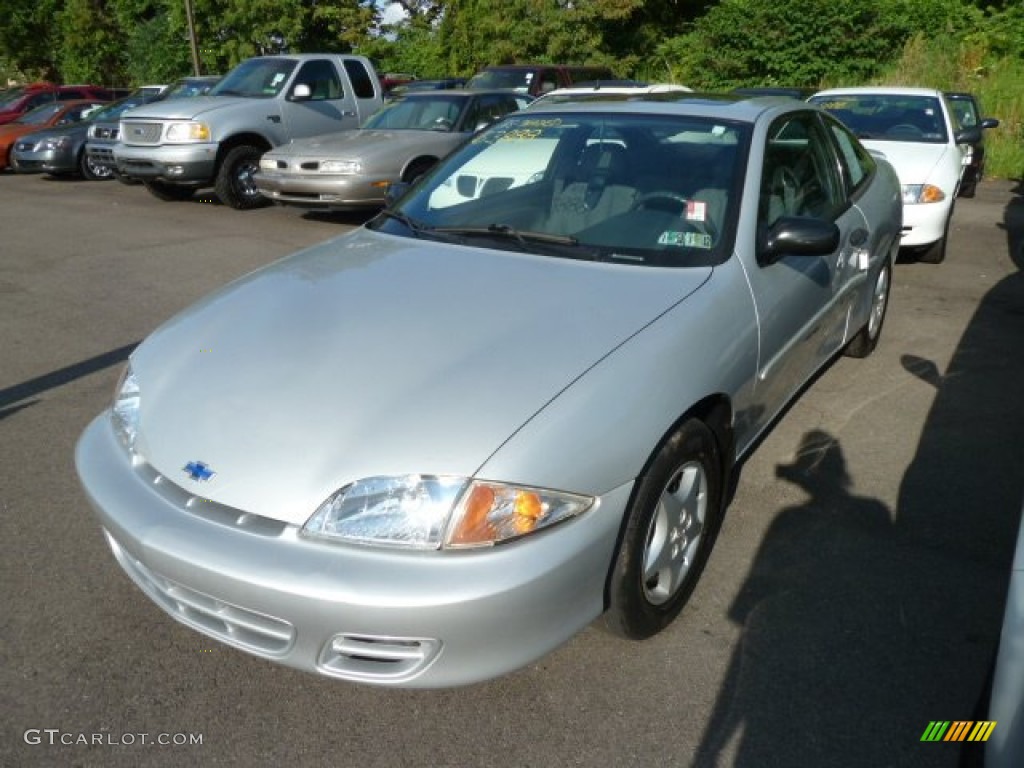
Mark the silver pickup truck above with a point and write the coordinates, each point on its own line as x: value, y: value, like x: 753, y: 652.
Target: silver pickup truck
x: 176, y: 147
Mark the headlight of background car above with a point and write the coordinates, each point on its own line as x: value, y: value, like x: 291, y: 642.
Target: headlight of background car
x: 186, y: 132
x: 125, y: 411
x: 340, y: 166
x: 429, y: 512
x: 57, y: 142
x: 922, y: 193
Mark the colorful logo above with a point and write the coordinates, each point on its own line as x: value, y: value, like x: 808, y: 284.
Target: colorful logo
x: 958, y: 730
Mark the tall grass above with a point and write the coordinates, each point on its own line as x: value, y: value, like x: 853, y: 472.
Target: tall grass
x: 998, y: 84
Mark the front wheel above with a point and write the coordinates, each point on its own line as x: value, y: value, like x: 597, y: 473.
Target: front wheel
x: 936, y: 252
x: 91, y: 170
x: 671, y: 526
x: 234, y: 184
x: 864, y: 343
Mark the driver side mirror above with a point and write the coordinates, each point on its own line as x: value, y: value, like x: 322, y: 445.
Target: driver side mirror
x: 301, y: 92
x: 968, y: 136
x: 798, y: 236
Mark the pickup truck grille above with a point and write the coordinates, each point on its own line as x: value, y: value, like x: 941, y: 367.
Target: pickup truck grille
x: 140, y: 133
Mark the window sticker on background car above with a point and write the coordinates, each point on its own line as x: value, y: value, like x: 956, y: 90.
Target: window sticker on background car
x: 687, y: 239
x: 696, y: 210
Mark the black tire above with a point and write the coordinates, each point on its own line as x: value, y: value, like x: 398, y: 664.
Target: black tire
x: 234, y: 184
x: 670, y: 528
x: 936, y: 252
x: 864, y: 343
x: 161, y: 190
x: 91, y: 171
x: 129, y: 180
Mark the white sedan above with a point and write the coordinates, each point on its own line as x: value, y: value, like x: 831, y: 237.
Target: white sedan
x: 915, y: 131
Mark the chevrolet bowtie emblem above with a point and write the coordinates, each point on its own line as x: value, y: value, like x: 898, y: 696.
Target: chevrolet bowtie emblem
x: 198, y: 471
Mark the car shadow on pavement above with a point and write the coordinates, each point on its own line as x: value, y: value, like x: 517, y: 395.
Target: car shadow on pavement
x: 11, y: 397
x: 861, y: 623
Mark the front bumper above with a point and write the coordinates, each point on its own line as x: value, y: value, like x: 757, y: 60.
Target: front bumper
x: 101, y: 154
x: 371, y: 615
x: 338, y: 192
x: 925, y: 223
x: 192, y: 164
x: 30, y: 161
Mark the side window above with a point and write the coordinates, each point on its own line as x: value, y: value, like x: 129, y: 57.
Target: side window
x: 69, y: 95
x: 489, y: 109
x: 857, y: 161
x: 362, y: 83
x: 322, y: 79
x: 548, y: 81
x: 39, y: 99
x: 799, y: 175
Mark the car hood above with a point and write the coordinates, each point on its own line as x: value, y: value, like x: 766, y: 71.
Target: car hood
x: 76, y: 130
x: 370, y: 143
x: 188, y: 109
x: 915, y: 163
x: 377, y: 355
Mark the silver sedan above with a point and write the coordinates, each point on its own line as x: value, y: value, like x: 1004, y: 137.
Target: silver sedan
x: 353, y: 169
x: 428, y: 452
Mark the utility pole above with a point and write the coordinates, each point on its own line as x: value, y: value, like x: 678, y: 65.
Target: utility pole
x: 192, y: 36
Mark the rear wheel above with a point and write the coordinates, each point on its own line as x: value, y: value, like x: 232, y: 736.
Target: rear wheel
x: 234, y: 185
x: 864, y: 343
x: 170, y: 192
x: 671, y: 526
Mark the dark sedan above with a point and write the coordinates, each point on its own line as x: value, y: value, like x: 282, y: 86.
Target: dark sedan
x: 60, y: 151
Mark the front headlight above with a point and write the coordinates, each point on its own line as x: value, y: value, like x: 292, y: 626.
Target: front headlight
x: 922, y: 193
x: 187, y: 132
x: 125, y: 411
x: 351, y: 167
x: 430, y: 512
x: 57, y: 142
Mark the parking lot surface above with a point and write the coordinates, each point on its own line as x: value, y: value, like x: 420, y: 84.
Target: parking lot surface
x: 855, y: 593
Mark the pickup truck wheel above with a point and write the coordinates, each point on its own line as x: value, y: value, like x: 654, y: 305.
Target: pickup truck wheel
x: 90, y: 170
x: 235, y: 186
x: 161, y: 190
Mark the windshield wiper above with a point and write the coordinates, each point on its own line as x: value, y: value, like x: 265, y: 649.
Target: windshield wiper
x: 504, y: 230
x: 416, y: 227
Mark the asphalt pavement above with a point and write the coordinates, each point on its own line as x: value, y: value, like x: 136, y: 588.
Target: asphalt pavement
x: 855, y: 593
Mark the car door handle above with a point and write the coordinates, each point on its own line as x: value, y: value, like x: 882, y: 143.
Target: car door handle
x: 348, y: 113
x: 274, y: 118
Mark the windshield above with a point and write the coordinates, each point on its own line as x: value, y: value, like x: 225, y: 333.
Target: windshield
x: 256, y: 79
x: 185, y: 89
x: 436, y: 113
x: 889, y: 117
x: 502, y: 79
x: 9, y: 98
x: 111, y: 111
x: 40, y: 115
x: 635, y: 189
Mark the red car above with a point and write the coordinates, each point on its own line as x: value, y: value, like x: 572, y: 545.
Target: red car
x: 18, y: 101
x: 46, y: 116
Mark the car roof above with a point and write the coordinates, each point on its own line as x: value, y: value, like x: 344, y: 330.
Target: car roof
x: 447, y: 93
x: 723, y: 106
x: 880, y: 90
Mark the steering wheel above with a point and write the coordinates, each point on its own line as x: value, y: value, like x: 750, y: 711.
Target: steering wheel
x: 676, y: 203
x: 906, y: 129
x: 674, y: 199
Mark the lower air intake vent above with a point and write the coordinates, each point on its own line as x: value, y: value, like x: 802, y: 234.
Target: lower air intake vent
x: 365, y: 657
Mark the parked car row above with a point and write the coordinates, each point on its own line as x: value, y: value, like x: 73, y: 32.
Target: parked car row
x: 311, y: 151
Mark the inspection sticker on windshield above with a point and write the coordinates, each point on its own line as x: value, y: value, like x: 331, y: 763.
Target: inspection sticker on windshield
x: 696, y: 210
x: 687, y: 239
